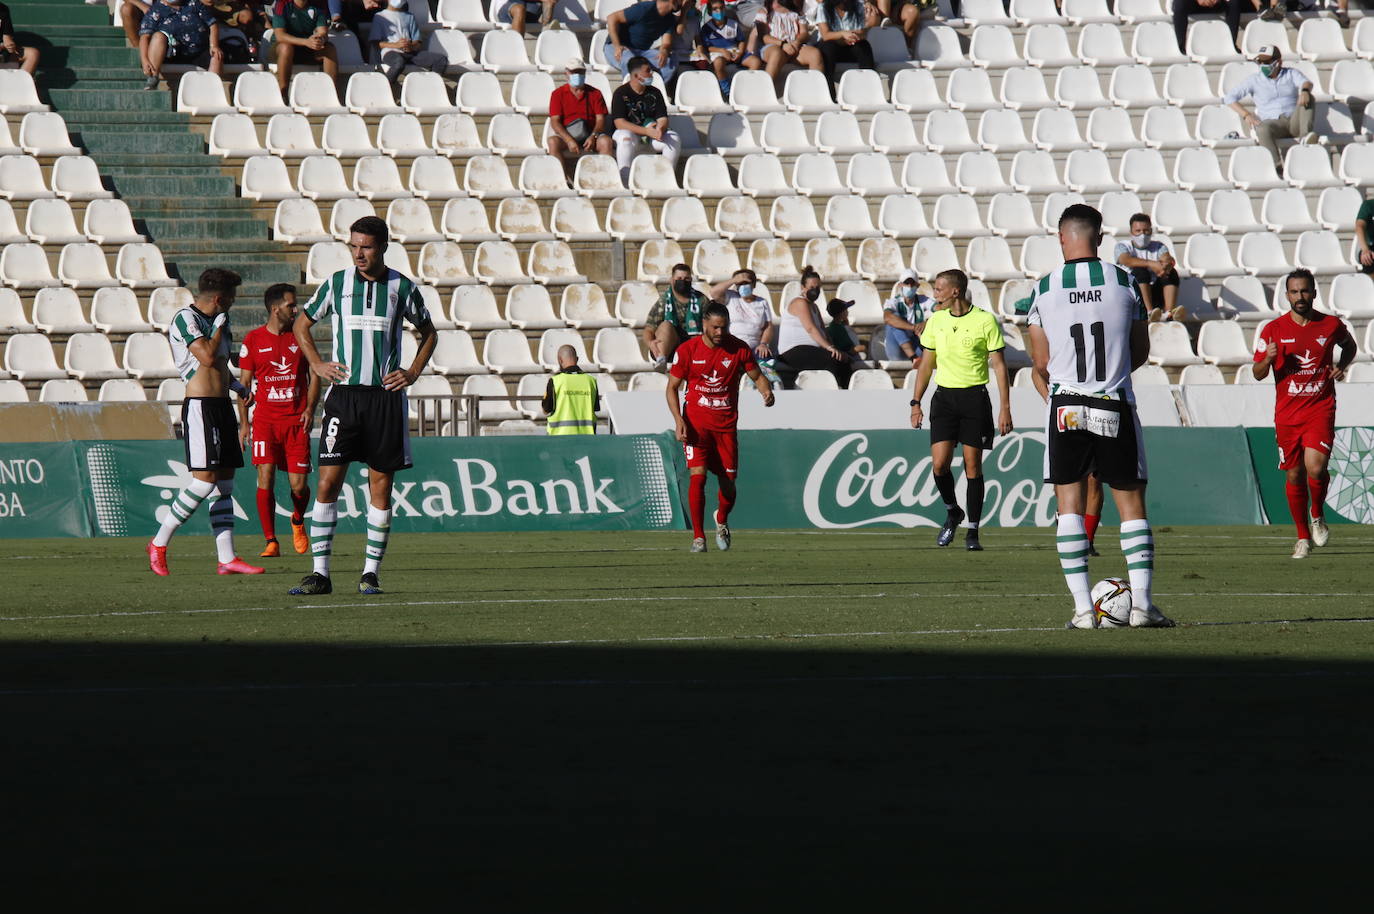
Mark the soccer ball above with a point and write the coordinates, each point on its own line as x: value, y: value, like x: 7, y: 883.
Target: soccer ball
x: 1112, y: 603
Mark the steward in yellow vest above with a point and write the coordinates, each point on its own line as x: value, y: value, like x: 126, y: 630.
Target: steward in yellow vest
x: 571, y: 399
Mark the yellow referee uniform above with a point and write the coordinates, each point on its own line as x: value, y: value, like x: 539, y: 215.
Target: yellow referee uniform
x: 960, y: 409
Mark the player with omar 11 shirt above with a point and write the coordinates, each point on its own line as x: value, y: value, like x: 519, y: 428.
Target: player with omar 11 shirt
x: 1298, y: 346
x: 712, y: 366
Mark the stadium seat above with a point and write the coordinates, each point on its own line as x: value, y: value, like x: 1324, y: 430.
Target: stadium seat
x: 479, y: 93
x: 861, y: 91
x: 424, y: 94
x: 529, y: 307
x: 652, y: 177
x: 1220, y: 127
x: 1223, y: 343
x: 630, y: 219
x: 83, y: 266
x: 1202, y: 374
x: 617, y: 349
x: 1175, y: 213
x: 957, y: 216
x: 989, y: 259
x: 1262, y: 254
x: 1083, y: 12
x: 370, y: 93
x: 508, y: 352
x: 1231, y: 212
x: 784, y: 133
x: 947, y: 132
x: 25, y: 266
x: 1011, y: 216
x: 510, y: 135
x: 164, y: 302
x: 1165, y: 127
x: 838, y: 133
x: 978, y: 173
x: 1209, y: 42
x: 441, y: 264
x: 1143, y: 171
x: 1110, y: 129
x: 938, y: 48
x: 202, y: 94
x: 1000, y: 130
x: 542, y: 178
x: 319, y: 178
x: 1352, y: 296
x: 865, y: 379
x: 770, y: 258
x: 1036, y: 12
x: 1336, y: 208
x: 879, y: 260
x: 455, y: 136
x: 1284, y: 210
x: 324, y: 259
x: 21, y: 178
x: 289, y: 136
x: 58, y: 311
x: 1116, y: 208
x: 1259, y: 33
x: 116, y: 310
x: 1034, y: 172
x: 377, y: 177
x: 1100, y: 45
x: 893, y: 133
x: 551, y: 340
x: 62, y: 391
x: 1197, y: 170
x: 583, y: 306
x: 633, y: 300
x: 1351, y: 79
x: 829, y: 258
x: 44, y: 133
x: 1039, y: 255
x: 931, y: 255
x: 731, y: 135
x: 793, y: 218
x: 410, y: 221
x: 992, y: 46
x: 807, y: 92
x: 870, y: 174
x: 915, y: 92
x: 814, y: 174
x: 1170, y: 346
x: 1055, y: 203
x: 1087, y: 171
x: 10, y: 232
x: 1186, y: 85
x: 846, y: 217
x: 401, y: 136
x: 903, y: 216
x: 473, y: 307
x: 19, y: 93
x: 552, y: 262
x: 109, y: 222
x: 1309, y: 168
x: 970, y: 89
x: 29, y: 357
x: 1320, y: 251
x: 1024, y: 89
x: 345, y: 136
x: 454, y: 353
x: 314, y: 94
x: 682, y: 219
x: 433, y: 178
x: 344, y: 213
x: 148, y: 356
x: 1154, y: 45
x: 1056, y: 130
x: 656, y: 260
x: 597, y: 177
x: 90, y: 357
x: 1207, y: 256
x: 50, y: 221
x: 817, y: 380
x: 504, y: 52
x: 648, y: 380
x: 487, y: 177
x: 530, y: 94
x: 698, y: 93
x: 1149, y: 375
x: 752, y: 92
x: 739, y: 219
x: 122, y: 390
x: 1357, y: 165
x: 1047, y: 47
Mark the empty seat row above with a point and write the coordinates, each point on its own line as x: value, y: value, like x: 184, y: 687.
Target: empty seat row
x: 50, y: 220
x: 114, y: 309
x: 89, y: 357
x: 83, y: 265
x: 41, y: 133
x: 74, y: 177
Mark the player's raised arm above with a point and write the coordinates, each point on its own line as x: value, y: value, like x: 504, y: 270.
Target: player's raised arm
x: 672, y: 392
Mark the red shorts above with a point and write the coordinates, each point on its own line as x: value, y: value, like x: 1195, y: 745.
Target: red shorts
x: 283, y: 444
x: 715, y: 449
x: 1317, y: 433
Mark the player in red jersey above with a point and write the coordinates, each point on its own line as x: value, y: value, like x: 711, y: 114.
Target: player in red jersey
x: 1298, y: 346
x: 712, y: 365
x: 285, y: 396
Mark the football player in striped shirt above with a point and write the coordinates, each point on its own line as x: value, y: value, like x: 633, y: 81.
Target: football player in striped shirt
x: 365, y: 414
x: 1088, y: 332
x: 200, y: 338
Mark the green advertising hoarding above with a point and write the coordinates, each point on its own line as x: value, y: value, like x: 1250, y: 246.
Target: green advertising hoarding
x: 41, y: 491
x: 1349, y: 497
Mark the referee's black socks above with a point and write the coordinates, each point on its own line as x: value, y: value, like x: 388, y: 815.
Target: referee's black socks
x: 945, y: 483
x: 975, y: 503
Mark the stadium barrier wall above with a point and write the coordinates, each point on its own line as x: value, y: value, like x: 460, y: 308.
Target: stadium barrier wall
x: 788, y: 479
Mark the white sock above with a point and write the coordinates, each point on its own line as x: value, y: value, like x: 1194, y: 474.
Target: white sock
x: 182, y: 507
x: 322, y: 522
x: 378, y: 532
x: 222, y: 520
x: 1072, y: 541
x: 1138, y: 545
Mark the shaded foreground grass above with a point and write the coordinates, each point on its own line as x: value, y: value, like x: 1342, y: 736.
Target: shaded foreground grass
x: 785, y: 725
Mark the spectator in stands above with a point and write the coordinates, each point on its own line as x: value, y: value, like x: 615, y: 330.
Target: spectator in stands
x: 644, y: 31
x: 517, y: 12
x: 781, y: 36
x: 1283, y: 103
x: 674, y: 317
x: 301, y: 32
x: 131, y: 17
x: 723, y: 41
x: 10, y: 50
x: 841, y: 335
x: 1154, y: 270
x: 397, y: 36
x: 1364, y: 237
x: 905, y: 316
x: 906, y: 15
x: 802, y: 342
x: 1184, y: 9
x: 640, y: 117
x: 843, y: 27
x: 352, y: 14
x: 240, y: 33
x: 178, y: 31
x: 751, y: 320
x: 571, y: 398
x: 577, y: 119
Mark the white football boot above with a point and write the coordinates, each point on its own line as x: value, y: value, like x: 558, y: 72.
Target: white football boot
x: 1303, y: 549
x: 1149, y: 617
x: 1321, y: 533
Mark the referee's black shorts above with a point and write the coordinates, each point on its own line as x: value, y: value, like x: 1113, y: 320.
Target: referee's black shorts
x: 1071, y: 454
x: 962, y: 414
x: 365, y: 424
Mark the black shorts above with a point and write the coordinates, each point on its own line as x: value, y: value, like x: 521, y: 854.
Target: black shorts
x: 1146, y: 277
x: 366, y: 424
x: 962, y: 414
x: 1072, y: 453
x: 212, y: 434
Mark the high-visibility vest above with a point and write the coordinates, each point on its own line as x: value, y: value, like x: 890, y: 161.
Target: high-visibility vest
x: 574, y: 404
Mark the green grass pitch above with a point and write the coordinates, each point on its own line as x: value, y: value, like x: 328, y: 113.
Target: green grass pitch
x: 604, y: 722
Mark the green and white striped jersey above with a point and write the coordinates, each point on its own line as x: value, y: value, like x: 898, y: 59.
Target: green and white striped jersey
x: 367, y: 321
x: 187, y: 326
x: 1086, y: 309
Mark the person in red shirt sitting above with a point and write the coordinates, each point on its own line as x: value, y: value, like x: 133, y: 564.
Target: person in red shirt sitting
x: 711, y: 365
x: 1298, y: 346
x: 577, y: 119
x: 272, y: 365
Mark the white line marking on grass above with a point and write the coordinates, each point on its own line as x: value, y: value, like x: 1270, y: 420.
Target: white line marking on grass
x: 678, y: 681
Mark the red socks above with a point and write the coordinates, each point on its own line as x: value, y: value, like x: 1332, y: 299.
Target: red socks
x: 1297, y: 506
x: 1090, y: 525
x: 267, y: 513
x: 723, y: 512
x: 696, y: 501
x: 1318, y: 489
x: 298, y: 505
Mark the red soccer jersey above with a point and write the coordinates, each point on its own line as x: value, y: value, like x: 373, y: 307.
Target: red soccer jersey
x: 1302, y: 371
x: 280, y: 373
x: 712, y: 375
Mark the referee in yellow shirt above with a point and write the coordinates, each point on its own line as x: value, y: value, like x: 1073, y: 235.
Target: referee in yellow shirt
x: 963, y: 341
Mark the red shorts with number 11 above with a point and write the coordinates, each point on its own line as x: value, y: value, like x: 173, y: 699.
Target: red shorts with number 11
x: 715, y: 449
x: 283, y: 444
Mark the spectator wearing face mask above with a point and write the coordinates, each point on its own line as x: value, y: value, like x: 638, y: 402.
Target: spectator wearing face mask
x: 1154, y: 270
x: 674, y: 317
x: 802, y: 342
x: 1283, y: 103
x: 751, y: 320
x: 640, y: 117
x: 577, y: 119
x: 397, y: 36
x: 905, y: 316
x: 841, y: 335
x: 722, y: 41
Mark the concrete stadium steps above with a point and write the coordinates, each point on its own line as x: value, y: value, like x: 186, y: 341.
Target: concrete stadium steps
x: 178, y: 194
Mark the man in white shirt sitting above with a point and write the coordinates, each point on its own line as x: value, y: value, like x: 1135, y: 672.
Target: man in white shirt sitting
x: 1283, y: 103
